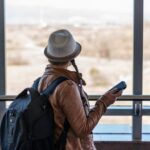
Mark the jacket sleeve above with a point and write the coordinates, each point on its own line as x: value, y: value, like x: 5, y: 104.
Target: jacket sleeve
x: 71, y: 104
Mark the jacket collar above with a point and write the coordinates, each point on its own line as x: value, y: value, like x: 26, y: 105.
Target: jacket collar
x: 58, y: 71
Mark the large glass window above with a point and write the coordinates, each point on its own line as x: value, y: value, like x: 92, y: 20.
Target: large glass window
x: 146, y: 45
x: 103, y: 27
x: 146, y: 64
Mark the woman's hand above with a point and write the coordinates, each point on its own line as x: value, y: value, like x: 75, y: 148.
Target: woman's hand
x: 109, y: 97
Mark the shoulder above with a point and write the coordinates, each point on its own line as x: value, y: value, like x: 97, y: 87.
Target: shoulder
x: 67, y: 87
x: 68, y: 84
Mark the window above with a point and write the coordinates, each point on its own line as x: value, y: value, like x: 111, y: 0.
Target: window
x: 146, y: 65
x: 146, y: 45
x: 105, y: 32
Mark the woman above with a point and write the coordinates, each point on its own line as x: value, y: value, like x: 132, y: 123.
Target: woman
x: 69, y: 101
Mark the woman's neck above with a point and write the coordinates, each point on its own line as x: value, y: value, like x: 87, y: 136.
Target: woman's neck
x: 60, y: 66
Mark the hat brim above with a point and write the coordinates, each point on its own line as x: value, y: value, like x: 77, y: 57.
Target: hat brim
x: 66, y: 58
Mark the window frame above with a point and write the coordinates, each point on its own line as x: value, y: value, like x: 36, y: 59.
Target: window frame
x: 136, y: 110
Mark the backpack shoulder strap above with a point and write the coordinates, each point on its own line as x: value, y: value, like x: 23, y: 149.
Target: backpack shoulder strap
x: 49, y: 90
x: 36, y: 83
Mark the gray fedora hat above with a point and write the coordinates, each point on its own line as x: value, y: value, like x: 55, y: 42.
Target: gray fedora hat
x: 62, y: 47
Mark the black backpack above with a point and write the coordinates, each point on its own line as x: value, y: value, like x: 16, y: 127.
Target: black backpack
x: 28, y: 123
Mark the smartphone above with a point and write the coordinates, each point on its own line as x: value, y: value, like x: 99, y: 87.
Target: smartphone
x: 120, y: 86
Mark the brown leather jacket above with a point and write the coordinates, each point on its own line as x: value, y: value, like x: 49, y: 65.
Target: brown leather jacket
x: 66, y: 103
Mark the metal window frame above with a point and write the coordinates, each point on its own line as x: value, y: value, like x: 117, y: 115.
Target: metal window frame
x: 2, y: 48
x: 137, y: 65
x: 137, y: 68
x: 2, y: 56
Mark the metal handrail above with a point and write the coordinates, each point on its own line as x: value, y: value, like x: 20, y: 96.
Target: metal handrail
x: 125, y: 97
x: 94, y: 97
x: 113, y: 110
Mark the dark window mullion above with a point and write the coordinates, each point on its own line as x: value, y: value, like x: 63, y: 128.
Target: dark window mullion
x: 2, y: 48
x: 2, y: 56
x: 137, y: 68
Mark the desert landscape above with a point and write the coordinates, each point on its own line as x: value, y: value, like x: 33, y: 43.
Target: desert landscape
x: 106, y: 57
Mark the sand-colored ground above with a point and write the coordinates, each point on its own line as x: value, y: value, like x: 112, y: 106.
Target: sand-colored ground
x: 106, y: 57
